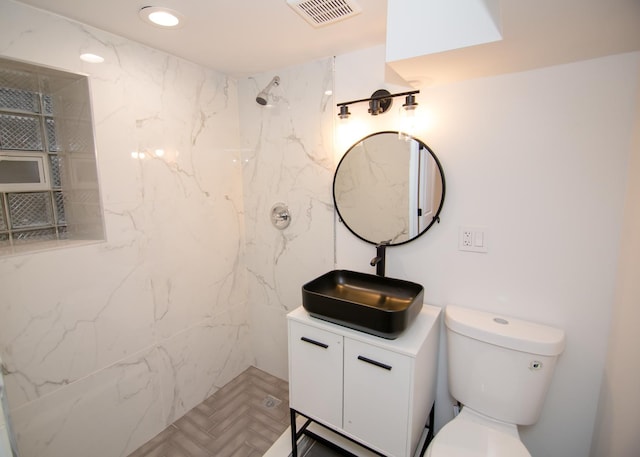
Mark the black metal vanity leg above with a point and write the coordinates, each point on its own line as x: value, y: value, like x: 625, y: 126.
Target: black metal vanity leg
x: 429, y: 437
x: 294, y: 433
x: 432, y: 419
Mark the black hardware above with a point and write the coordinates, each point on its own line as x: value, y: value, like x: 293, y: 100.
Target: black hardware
x: 379, y: 102
x: 429, y: 426
x: 380, y: 260
x: 317, y: 343
x: 326, y: 443
x: 423, y: 148
x: 379, y: 95
x: 296, y: 434
x: 375, y: 362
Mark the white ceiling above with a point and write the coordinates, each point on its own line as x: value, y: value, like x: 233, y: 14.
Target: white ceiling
x: 236, y: 37
x: 245, y: 37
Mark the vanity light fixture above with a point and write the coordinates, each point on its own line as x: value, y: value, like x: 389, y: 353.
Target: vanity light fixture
x: 410, y: 103
x: 408, y: 120
x: 344, y: 112
x: 161, y: 17
x: 380, y: 102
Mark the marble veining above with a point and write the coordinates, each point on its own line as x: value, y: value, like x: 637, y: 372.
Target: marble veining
x: 146, y: 325
x: 287, y: 155
x: 193, y: 282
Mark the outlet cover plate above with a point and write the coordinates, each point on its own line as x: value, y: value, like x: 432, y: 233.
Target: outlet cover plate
x: 473, y: 239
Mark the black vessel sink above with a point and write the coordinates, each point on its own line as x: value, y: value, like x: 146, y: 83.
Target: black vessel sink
x: 373, y: 304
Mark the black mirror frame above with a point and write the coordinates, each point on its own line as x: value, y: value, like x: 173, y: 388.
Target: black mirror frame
x: 436, y: 217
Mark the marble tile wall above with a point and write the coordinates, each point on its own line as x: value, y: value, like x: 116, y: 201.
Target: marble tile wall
x: 107, y: 343
x: 287, y: 154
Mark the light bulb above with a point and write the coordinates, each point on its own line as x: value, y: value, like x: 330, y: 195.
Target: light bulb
x: 408, y: 123
x: 161, y: 17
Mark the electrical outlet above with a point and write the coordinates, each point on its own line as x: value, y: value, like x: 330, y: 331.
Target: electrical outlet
x: 472, y: 239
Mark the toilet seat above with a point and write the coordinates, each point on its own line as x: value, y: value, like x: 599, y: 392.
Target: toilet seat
x: 471, y: 434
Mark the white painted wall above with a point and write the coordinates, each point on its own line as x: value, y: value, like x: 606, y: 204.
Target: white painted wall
x: 539, y: 158
x: 417, y: 27
x: 616, y: 432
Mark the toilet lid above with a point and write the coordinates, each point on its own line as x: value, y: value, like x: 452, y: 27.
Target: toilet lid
x: 466, y: 438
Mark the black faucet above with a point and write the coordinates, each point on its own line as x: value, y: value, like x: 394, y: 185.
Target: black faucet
x: 379, y: 260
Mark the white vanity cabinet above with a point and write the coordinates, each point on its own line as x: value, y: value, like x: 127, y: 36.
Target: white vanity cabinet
x: 376, y: 391
x: 315, y: 361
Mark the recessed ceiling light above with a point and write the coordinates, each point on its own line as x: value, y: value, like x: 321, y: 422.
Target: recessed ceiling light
x: 91, y: 58
x: 161, y: 17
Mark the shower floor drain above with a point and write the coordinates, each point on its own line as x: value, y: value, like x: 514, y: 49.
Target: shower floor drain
x: 271, y: 402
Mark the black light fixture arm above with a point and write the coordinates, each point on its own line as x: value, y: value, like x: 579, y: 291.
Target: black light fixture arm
x: 379, y: 97
x: 379, y: 102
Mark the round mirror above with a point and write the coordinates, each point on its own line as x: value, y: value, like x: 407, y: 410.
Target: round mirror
x: 388, y: 189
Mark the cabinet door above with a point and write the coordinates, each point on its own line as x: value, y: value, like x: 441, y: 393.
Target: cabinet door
x: 315, y: 373
x: 376, y: 396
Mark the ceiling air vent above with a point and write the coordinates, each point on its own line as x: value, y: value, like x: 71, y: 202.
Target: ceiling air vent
x: 323, y: 12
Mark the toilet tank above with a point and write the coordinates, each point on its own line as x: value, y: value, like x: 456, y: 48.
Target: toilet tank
x: 498, y: 365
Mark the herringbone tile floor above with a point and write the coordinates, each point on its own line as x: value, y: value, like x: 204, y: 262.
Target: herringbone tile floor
x: 242, y: 419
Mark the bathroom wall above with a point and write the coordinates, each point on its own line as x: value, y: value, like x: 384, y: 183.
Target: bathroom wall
x: 287, y: 156
x: 539, y: 159
x: 108, y: 343
x: 616, y: 431
x: 7, y: 438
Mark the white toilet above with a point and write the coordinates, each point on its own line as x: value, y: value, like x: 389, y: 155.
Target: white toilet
x: 499, y: 370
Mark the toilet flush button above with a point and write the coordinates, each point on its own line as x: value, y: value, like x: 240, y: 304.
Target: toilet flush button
x: 535, y: 365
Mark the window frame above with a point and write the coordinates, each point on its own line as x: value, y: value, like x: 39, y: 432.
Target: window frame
x: 44, y: 183
x: 66, y: 160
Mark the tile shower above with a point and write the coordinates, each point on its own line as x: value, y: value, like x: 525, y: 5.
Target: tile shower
x: 192, y: 284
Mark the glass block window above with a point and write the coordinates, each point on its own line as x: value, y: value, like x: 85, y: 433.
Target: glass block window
x: 20, y: 132
x: 30, y: 209
x: 24, y: 126
x: 19, y: 100
x: 46, y: 139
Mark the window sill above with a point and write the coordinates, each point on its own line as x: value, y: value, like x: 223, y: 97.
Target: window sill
x: 43, y: 246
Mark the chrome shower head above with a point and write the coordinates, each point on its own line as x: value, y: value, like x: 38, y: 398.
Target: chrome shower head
x: 261, y: 99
